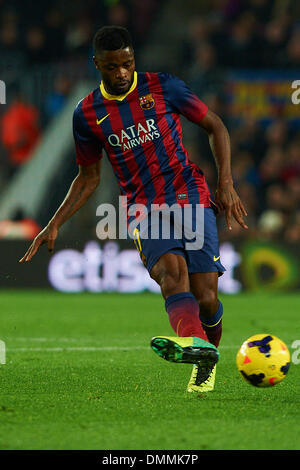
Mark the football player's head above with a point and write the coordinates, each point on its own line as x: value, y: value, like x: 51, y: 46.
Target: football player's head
x: 114, y: 58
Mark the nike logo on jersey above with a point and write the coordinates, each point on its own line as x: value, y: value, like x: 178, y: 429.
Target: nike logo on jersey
x: 216, y: 258
x: 98, y: 121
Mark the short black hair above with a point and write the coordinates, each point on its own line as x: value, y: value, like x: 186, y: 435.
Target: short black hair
x: 111, y: 38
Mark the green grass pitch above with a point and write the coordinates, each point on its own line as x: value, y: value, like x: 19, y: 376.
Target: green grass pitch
x: 80, y: 374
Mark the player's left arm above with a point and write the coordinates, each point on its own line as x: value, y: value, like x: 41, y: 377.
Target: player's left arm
x: 226, y: 197
x: 182, y: 100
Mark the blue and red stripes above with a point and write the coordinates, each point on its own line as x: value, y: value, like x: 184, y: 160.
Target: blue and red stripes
x: 151, y: 167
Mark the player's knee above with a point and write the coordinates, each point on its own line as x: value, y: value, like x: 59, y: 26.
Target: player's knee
x: 167, y: 276
x: 173, y: 280
x: 170, y: 280
x: 171, y: 273
x: 208, y: 302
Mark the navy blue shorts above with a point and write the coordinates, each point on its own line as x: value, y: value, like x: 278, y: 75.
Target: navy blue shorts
x: 203, y: 260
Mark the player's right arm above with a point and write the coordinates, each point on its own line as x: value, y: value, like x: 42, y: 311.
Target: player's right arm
x: 80, y: 190
x: 88, y: 157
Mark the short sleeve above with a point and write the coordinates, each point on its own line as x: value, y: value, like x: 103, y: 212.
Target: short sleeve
x: 88, y: 147
x: 182, y: 100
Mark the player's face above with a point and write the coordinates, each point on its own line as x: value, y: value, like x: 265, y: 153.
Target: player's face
x: 117, y: 70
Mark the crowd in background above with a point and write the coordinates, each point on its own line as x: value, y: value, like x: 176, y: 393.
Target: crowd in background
x: 245, y: 34
x: 266, y: 174
x: 230, y: 35
x: 51, y: 42
x: 34, y: 33
x: 250, y: 34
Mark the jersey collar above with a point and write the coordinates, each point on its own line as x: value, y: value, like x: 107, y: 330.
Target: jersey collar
x: 118, y: 97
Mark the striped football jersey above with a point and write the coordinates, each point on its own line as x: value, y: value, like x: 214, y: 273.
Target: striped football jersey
x: 141, y: 134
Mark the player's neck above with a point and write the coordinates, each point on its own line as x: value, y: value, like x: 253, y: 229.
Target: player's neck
x: 109, y: 94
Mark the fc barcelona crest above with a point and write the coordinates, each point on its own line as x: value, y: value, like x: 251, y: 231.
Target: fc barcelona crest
x: 147, y: 102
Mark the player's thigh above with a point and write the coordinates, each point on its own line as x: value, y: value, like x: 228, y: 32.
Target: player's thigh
x: 204, y: 287
x: 171, y: 273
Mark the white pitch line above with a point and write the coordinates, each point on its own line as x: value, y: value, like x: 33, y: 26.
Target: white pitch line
x: 44, y: 340
x: 78, y: 348
x: 77, y: 340
x: 92, y: 348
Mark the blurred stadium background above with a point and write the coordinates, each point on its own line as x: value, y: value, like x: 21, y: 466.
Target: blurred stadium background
x: 240, y: 56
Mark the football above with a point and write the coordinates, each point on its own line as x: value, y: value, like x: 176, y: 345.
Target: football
x: 263, y: 360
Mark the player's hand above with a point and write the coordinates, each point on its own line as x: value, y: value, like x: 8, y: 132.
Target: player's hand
x: 228, y: 201
x: 47, y: 235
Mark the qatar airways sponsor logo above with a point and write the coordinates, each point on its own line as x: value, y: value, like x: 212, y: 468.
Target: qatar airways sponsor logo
x: 134, y: 136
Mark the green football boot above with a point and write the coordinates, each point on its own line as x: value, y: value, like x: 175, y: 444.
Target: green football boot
x: 187, y: 350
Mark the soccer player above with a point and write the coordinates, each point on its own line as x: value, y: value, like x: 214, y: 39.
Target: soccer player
x: 135, y: 118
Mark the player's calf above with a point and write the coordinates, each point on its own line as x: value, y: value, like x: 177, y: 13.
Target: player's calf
x: 212, y: 324
x: 205, y: 289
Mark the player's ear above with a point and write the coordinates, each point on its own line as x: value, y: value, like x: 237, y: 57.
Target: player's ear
x: 95, y: 62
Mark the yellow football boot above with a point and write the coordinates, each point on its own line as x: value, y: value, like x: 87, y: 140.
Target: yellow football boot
x: 197, y: 385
